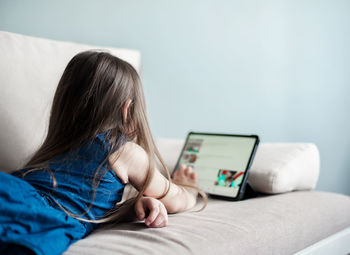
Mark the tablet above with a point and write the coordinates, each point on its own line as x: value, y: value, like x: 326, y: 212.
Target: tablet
x: 222, y: 161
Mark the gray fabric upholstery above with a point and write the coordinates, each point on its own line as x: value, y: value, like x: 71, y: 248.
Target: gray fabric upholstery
x: 278, y: 224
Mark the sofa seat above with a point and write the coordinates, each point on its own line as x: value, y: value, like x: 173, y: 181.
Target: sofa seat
x: 275, y: 224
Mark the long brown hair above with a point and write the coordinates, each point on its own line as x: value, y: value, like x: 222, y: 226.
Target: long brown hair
x: 88, y: 101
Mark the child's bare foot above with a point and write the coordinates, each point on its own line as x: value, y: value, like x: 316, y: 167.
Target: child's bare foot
x: 185, y: 175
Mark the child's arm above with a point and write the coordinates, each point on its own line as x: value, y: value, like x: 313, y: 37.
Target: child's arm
x: 132, y: 165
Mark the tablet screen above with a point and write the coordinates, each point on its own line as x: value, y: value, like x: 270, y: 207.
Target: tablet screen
x: 220, y: 161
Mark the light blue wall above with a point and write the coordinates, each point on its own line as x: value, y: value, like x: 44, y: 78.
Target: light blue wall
x: 279, y: 69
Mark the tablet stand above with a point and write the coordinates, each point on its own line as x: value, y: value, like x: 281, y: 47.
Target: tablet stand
x: 249, y: 192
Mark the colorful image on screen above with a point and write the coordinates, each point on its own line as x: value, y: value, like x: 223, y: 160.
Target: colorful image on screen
x: 228, y: 178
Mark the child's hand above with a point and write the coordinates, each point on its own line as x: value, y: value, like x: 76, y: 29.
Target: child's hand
x: 157, y: 214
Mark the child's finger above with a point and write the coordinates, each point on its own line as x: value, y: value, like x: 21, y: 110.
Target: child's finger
x: 154, y: 211
x: 164, y: 212
x: 139, y: 210
x: 159, y: 221
x: 162, y: 218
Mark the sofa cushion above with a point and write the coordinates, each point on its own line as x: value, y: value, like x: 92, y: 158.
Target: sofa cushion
x: 277, y: 167
x: 279, y: 224
x: 30, y: 69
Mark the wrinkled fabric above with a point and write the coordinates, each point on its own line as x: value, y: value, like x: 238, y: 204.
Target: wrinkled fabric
x: 30, y: 216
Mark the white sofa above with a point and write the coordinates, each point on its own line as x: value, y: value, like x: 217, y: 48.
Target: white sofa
x: 296, y: 222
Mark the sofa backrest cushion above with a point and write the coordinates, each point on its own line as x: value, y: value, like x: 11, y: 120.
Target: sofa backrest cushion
x: 30, y: 69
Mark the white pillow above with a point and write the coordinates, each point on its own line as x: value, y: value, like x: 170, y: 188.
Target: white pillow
x: 277, y: 167
x: 283, y: 167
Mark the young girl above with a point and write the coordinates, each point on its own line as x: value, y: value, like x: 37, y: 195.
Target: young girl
x: 98, y: 141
